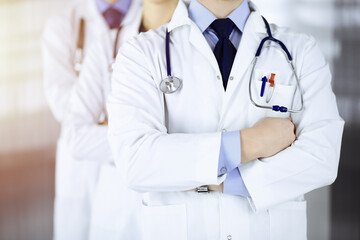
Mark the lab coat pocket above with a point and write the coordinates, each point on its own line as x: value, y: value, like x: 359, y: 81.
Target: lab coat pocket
x: 288, y: 221
x: 283, y: 95
x: 280, y: 95
x: 164, y: 222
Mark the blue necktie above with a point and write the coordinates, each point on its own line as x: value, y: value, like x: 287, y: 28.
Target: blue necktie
x: 113, y: 17
x: 224, y: 50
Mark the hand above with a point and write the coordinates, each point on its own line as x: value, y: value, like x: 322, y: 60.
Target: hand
x: 266, y: 138
x: 218, y: 188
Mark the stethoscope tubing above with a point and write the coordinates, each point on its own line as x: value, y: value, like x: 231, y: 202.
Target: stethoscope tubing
x: 78, y: 58
x: 169, y: 79
x: 116, y: 42
x: 79, y: 51
x: 111, y: 67
x: 170, y: 84
x: 290, y: 60
x: 167, y: 51
x: 275, y: 106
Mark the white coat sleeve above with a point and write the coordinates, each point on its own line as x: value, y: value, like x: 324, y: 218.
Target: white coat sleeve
x: 87, y: 140
x: 59, y: 75
x: 151, y: 158
x: 312, y: 161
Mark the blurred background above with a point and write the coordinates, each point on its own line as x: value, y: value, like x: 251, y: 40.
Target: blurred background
x: 28, y: 132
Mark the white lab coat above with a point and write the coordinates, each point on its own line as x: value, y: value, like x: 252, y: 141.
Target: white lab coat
x: 116, y: 209
x: 166, y: 151
x: 76, y: 179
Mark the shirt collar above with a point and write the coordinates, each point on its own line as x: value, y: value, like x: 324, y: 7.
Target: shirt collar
x: 121, y: 5
x: 203, y: 17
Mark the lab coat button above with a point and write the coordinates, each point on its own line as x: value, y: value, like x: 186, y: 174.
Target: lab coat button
x: 223, y: 170
x: 224, y: 130
x: 218, y: 77
x: 231, y: 78
x: 229, y: 237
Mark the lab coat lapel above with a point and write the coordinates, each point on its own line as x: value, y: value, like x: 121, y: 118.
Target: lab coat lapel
x: 130, y: 24
x: 196, y: 38
x: 130, y: 27
x: 132, y: 21
x: 180, y: 17
x: 254, y: 31
x: 96, y: 19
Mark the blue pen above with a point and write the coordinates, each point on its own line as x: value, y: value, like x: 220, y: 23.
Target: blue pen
x: 264, y: 80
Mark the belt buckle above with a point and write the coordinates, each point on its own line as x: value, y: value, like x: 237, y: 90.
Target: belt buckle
x: 203, y: 189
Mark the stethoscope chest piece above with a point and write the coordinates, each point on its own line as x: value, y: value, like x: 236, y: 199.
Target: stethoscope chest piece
x: 170, y: 84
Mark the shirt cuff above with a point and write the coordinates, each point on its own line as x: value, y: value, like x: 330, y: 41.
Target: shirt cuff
x: 230, y: 152
x: 234, y: 184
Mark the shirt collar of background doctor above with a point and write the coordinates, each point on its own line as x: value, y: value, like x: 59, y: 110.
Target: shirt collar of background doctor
x: 121, y: 5
x: 203, y: 17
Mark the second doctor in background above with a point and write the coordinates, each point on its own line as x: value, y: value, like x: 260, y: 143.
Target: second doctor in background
x: 211, y: 165
x: 115, y: 211
x: 66, y: 41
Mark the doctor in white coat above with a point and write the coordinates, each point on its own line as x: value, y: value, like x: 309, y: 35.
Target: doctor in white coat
x: 208, y: 136
x: 66, y: 40
x: 116, y: 209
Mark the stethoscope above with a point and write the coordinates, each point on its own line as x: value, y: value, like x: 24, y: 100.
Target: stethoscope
x: 79, y: 52
x: 171, y: 84
x: 275, y: 108
x: 111, y: 66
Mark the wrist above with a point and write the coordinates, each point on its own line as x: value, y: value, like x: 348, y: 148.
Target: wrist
x: 250, y: 147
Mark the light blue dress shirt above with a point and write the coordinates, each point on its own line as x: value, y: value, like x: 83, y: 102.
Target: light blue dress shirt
x: 230, y: 150
x: 121, y: 5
